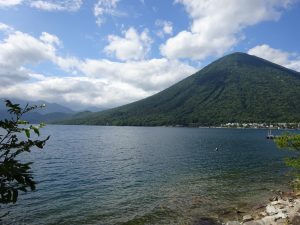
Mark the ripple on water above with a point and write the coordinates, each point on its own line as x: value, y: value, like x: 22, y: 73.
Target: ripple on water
x: 138, y: 175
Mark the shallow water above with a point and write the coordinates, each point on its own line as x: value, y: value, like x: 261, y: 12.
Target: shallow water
x: 148, y: 175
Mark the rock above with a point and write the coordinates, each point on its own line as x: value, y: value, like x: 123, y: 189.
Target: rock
x: 281, y: 222
x: 271, y: 210
x: 206, y: 221
x: 233, y: 223
x: 257, y: 222
x: 269, y: 220
x: 247, y: 218
x: 280, y: 215
x: 239, y: 211
x: 263, y: 214
x: 260, y: 206
x: 296, y: 220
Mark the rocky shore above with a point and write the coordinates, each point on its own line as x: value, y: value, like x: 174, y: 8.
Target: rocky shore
x: 283, y: 209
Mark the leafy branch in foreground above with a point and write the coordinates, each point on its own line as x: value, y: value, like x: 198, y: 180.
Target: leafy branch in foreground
x: 16, y: 176
x: 291, y: 142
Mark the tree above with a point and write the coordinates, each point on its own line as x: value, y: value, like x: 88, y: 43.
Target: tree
x: 291, y: 142
x: 16, y: 137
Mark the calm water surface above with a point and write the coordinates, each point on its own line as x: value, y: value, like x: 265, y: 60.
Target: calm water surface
x: 139, y: 175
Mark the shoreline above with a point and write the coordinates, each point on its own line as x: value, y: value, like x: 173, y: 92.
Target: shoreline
x: 170, y: 126
x: 282, y: 209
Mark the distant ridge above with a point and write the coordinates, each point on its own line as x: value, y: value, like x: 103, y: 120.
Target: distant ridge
x: 235, y: 88
x: 50, y: 113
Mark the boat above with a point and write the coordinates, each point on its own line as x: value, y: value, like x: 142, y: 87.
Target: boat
x: 270, y: 135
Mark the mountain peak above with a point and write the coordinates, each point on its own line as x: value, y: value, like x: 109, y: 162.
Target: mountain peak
x: 241, y: 56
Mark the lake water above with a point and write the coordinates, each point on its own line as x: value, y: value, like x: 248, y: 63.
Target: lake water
x: 148, y: 175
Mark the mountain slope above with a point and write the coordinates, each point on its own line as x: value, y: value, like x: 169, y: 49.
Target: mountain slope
x: 50, y: 107
x: 235, y: 88
x: 50, y: 113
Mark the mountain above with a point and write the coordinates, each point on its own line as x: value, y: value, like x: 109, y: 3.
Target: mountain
x: 51, y: 112
x: 50, y: 107
x: 235, y: 88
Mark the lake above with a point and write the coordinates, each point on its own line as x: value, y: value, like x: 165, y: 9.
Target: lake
x: 148, y: 175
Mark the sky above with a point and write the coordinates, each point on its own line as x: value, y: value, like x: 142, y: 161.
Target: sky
x: 106, y: 53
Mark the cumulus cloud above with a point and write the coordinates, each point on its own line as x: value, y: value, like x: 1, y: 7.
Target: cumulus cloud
x: 286, y: 59
x: 18, y: 50
x: 5, y: 28
x: 166, y: 28
x: 150, y: 75
x: 56, y: 5
x: 105, y: 7
x: 50, y: 39
x: 9, y: 3
x: 104, y: 83
x: 133, y: 46
x: 80, y: 91
x: 99, y: 82
x: 217, y: 24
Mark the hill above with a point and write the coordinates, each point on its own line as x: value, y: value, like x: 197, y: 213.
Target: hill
x: 50, y: 113
x: 50, y: 107
x: 235, y: 88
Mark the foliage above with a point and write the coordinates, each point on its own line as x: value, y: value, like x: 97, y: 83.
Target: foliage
x: 291, y: 142
x: 17, y: 137
x: 236, y: 88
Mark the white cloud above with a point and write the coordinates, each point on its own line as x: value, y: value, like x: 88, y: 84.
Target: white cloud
x: 50, y: 39
x: 105, y: 83
x: 150, y: 75
x: 286, y: 59
x: 166, y: 28
x: 5, y: 28
x: 133, y: 46
x: 18, y: 50
x: 217, y: 24
x: 105, y: 7
x: 10, y: 3
x: 56, y: 5
x: 98, y: 82
x: 79, y: 91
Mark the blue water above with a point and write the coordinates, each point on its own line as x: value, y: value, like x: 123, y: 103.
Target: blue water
x: 144, y: 175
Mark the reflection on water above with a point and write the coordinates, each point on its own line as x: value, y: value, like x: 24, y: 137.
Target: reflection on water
x: 138, y: 175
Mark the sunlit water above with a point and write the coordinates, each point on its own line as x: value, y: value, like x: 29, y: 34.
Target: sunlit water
x: 139, y: 175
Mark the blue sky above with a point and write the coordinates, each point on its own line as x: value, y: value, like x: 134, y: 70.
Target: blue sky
x: 106, y: 53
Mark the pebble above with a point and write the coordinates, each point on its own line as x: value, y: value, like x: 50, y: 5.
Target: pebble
x: 278, y: 212
x: 257, y: 222
x: 263, y: 214
x: 247, y: 218
x: 271, y: 210
x: 233, y: 223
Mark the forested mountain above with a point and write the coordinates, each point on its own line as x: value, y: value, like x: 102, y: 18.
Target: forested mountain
x: 235, y: 88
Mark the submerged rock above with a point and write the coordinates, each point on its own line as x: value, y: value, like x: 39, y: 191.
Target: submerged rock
x: 206, y: 221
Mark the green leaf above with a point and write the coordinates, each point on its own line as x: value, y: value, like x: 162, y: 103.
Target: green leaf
x: 16, y: 176
x: 27, y: 132
x: 22, y: 122
x: 35, y: 129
